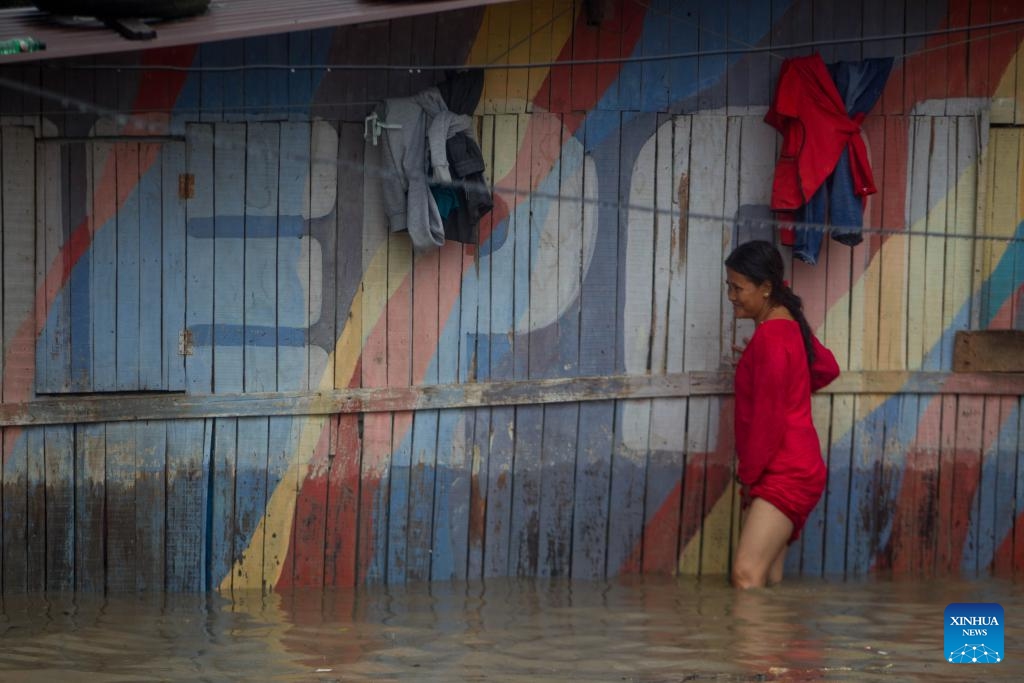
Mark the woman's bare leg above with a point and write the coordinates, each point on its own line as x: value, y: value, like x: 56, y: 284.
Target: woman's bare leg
x: 775, y: 573
x: 762, y: 545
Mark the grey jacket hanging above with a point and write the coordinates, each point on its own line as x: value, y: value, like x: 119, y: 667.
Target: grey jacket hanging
x: 407, y: 199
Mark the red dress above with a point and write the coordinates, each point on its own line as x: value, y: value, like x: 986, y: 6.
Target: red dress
x: 776, y: 443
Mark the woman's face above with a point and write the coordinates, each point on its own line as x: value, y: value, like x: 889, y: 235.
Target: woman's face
x: 748, y: 300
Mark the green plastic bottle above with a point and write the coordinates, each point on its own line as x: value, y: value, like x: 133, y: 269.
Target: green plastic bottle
x: 13, y: 46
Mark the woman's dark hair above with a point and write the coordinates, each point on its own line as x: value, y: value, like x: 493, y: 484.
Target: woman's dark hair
x: 761, y: 262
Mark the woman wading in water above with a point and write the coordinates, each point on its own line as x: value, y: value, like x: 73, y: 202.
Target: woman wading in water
x: 779, y: 456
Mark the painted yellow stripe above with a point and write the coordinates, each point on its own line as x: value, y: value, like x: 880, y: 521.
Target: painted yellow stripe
x: 718, y: 519
x: 552, y: 22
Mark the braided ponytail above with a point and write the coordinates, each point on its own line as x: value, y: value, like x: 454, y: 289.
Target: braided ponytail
x: 761, y: 262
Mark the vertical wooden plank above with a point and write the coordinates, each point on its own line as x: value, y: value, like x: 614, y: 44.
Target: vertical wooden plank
x: 349, y: 258
x: 128, y: 274
x: 173, y: 207
x: 654, y: 40
x: 561, y: 76
x: 222, y: 502
x: 260, y: 244
x: 17, y: 156
x: 957, y: 53
x: 866, y: 479
x: 283, y: 443
x: 540, y: 49
x: 293, y: 245
x: 967, y: 474
x: 892, y: 330
x: 500, y: 479
x: 399, y: 52
x: 519, y: 34
x: 295, y: 88
x: 199, y: 260
x: 474, y: 325
x: 837, y: 492
x: 528, y: 462
x: 427, y: 461
x: 712, y: 69
x: 60, y: 507
x: 15, y: 505
x: 104, y: 267
x: 812, y: 556
x: 965, y: 154
x: 90, y: 508
x: 684, y: 36
x: 241, y: 492
x: 665, y: 459
x: 586, y: 40
x: 399, y: 374
x: 53, y: 354
x: 496, y: 80
x: 941, y: 193
x: 703, y: 327
x: 151, y: 245
x: 229, y: 164
x: 322, y: 253
x: 916, y: 263
x: 884, y: 541
x: 988, y: 493
x: 188, y: 458
x: 307, y: 539
x: 924, y: 467
x: 35, y: 511
x: 373, y: 494
x: 597, y: 334
x: 558, y: 486
x: 1018, y: 528
x: 255, y: 81
x: 523, y: 554
x: 343, y: 494
x: 343, y: 504
x: 150, y: 491
x: 633, y: 419
x: 121, y: 507
x: 864, y: 309
x: 945, y: 561
x: 1002, y: 71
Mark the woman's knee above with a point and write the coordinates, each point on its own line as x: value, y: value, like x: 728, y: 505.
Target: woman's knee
x: 747, y: 574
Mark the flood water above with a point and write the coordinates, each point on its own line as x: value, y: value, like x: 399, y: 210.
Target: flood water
x: 646, y: 629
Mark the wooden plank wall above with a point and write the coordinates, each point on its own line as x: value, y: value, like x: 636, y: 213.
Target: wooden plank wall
x: 619, y: 190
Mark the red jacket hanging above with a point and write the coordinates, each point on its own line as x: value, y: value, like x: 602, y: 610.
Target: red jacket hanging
x: 811, y: 115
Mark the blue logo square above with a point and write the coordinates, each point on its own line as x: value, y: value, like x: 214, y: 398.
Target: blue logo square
x: 974, y: 633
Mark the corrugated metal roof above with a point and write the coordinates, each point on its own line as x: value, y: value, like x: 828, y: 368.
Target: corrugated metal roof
x: 225, y: 19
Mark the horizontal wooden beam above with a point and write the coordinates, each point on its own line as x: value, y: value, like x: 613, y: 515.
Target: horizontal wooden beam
x: 133, y: 407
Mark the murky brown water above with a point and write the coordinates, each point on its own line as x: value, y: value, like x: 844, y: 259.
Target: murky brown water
x: 508, y: 630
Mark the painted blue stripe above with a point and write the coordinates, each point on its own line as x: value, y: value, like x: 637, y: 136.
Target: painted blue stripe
x: 239, y: 227
x: 254, y: 335
x: 81, y: 324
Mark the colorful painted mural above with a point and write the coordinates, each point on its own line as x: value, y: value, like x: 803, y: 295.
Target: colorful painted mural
x: 240, y: 247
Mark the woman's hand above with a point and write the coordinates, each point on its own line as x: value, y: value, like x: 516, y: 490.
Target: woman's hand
x: 737, y: 351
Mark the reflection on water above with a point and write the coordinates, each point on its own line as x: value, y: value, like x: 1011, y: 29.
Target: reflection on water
x: 630, y: 630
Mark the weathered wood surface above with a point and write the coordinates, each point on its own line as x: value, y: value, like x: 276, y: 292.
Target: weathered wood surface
x: 989, y: 351
x: 138, y: 407
x: 554, y: 400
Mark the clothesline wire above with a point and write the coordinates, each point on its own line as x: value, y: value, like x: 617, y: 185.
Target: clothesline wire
x: 694, y: 54
x: 728, y: 222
